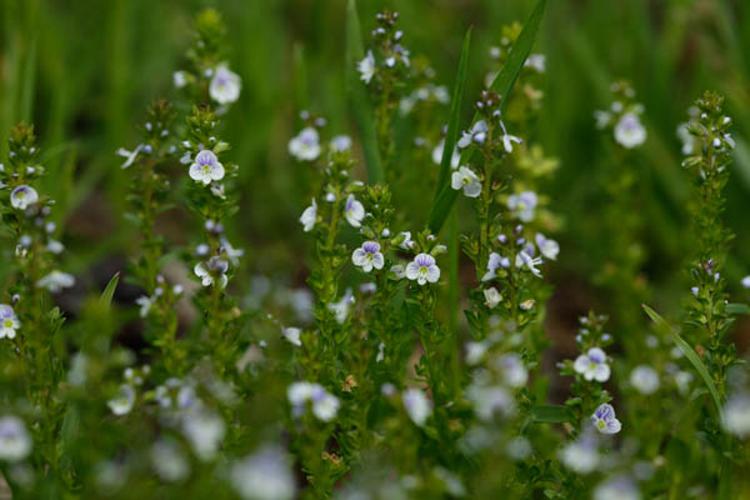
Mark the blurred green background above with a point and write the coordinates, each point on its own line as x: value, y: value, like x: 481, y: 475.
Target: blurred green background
x: 84, y: 70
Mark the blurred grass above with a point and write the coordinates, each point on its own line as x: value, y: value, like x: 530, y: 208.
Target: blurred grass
x: 84, y: 70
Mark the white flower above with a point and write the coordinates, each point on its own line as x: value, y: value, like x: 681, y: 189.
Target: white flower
x: 341, y: 143
x: 581, y: 456
x: 225, y: 85
x: 745, y: 282
x: 605, y: 421
x: 509, y: 140
x: 617, y: 488
x: 489, y: 401
x: 354, y: 211
x: 179, y: 79
x: 736, y: 418
x: 602, y: 118
x: 477, y: 134
x: 537, y: 62
x: 292, y: 334
x: 325, y: 406
x: 309, y: 217
x: 8, y: 322
x: 368, y: 256
x: 495, y: 262
x: 547, y: 247
x: 514, y: 372
x: 523, y: 205
x: 644, y: 379
x: 306, y: 145
x: 264, y: 475
x: 366, y: 67
x: 130, y: 156
x: 55, y: 281
x: 407, y: 242
x: 466, y: 179
x: 423, y: 269
x: 213, y: 271
x: 124, y: 401
x: 23, y: 196
x: 593, y: 365
x: 206, y: 168
x: 687, y: 139
x: 341, y: 308
x: 145, y: 302
x: 437, y: 155
x: 170, y: 464
x: 204, y: 430
x: 475, y: 351
x: 629, y: 132
x: 525, y: 259
x: 417, y: 406
x: 492, y: 297
x: 15, y: 441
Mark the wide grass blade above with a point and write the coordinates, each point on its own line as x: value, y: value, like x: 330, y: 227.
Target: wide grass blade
x: 689, y: 353
x: 455, y: 114
x: 503, y: 84
x: 359, y: 100
x: 109, y: 291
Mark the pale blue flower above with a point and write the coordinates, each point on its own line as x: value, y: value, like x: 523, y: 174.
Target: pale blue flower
x: 15, y: 440
x: 8, y: 322
x: 265, y: 475
x: 309, y: 217
x: 644, y: 379
x: 417, y: 406
x: 523, y: 205
x: 477, y: 134
x: 225, y: 85
x: 306, y: 145
x: 55, y: 281
x: 605, y: 421
x: 130, y: 156
x: 366, y: 67
x: 23, y: 197
x: 465, y: 178
x: 495, y: 262
x: 593, y: 365
x: 549, y: 248
x: 368, y: 256
x: 212, y: 272
x: 629, y: 132
x: 206, y: 168
x: 354, y: 211
x: 423, y: 269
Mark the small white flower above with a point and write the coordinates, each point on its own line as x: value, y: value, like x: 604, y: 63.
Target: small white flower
x: 309, y: 217
x: 489, y: 401
x: 509, y: 140
x: 8, y: 322
x: 523, y: 205
x: 547, y: 247
x: 325, y: 406
x: 605, y: 421
x: 169, y: 463
x: 204, y: 431
x: 736, y: 418
x: 407, y: 242
x: 495, y: 262
x: 581, y: 456
x: 513, y: 370
x: 354, y: 211
x: 398, y: 271
x: 55, y: 281
x: 593, y: 365
x: 225, y: 85
x: 130, y: 156
x: 55, y: 247
x: 417, y: 406
x: 603, y: 118
x: 537, y: 62
x: 423, y: 269
x: 213, y: 271
x: 617, y: 488
x: 644, y: 379
x: 629, y: 132
x: 23, y: 196
x: 475, y: 351
x: 145, y: 302
x: 687, y: 139
x: 437, y: 155
x: 124, y: 401
x: 466, y: 179
x: 292, y: 334
x: 179, y: 79
x: 477, y: 134
x: 525, y: 259
x: 746, y: 282
x: 492, y: 297
x: 15, y: 441
x: 264, y: 475
x: 368, y: 256
x: 206, y: 168
x: 306, y: 145
x: 341, y: 143
x: 366, y: 67
x: 341, y: 308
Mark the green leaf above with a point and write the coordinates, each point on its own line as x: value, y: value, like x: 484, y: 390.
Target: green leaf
x: 109, y: 291
x: 551, y: 414
x: 455, y: 113
x: 737, y: 309
x: 503, y: 84
x: 360, y: 102
x: 689, y: 353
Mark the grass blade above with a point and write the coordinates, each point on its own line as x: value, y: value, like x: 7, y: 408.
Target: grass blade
x: 455, y: 114
x: 106, y: 297
x: 360, y: 102
x: 689, y: 353
x: 503, y: 84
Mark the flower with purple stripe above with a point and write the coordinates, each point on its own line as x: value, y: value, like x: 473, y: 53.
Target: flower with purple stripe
x: 605, y: 421
x: 423, y: 269
x: 206, y: 168
x: 23, y: 196
x: 593, y: 365
x: 8, y: 322
x: 368, y: 256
